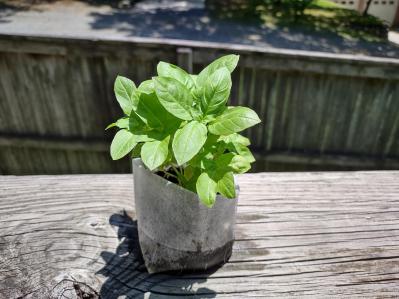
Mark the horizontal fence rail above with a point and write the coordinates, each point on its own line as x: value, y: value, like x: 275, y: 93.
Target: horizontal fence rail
x: 318, y: 110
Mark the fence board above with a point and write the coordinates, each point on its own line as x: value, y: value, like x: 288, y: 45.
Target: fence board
x: 311, y: 104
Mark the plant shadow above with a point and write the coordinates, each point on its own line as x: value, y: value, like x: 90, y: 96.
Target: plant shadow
x: 127, y: 276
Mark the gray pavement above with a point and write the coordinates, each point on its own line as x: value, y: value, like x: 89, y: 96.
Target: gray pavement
x: 187, y: 20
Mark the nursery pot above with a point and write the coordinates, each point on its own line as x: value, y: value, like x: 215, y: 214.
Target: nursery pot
x: 176, y: 231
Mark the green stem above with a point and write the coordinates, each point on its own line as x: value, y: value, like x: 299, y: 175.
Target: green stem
x: 179, y: 175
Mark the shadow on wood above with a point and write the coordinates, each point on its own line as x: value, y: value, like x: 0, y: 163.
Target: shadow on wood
x: 127, y: 264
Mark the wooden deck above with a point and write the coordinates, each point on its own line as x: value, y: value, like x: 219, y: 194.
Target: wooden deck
x: 319, y: 235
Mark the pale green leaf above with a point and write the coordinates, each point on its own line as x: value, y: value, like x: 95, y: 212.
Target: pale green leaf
x: 147, y: 87
x: 239, y: 164
x: 225, y: 185
x: 233, y: 120
x: 174, y: 97
x: 206, y: 189
x: 228, y: 61
x: 123, y: 123
x: 165, y: 69
x: 126, y: 94
x: 122, y: 144
x: 244, y: 151
x: 235, y: 138
x: 234, y: 162
x: 216, y: 91
x: 188, y: 141
x: 112, y: 125
x: 154, y: 153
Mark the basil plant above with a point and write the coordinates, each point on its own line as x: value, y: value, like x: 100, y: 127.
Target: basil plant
x: 181, y: 128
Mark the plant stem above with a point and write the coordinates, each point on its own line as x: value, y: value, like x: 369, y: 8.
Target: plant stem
x: 179, y: 175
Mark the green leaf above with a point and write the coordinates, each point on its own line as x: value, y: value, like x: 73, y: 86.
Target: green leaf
x: 206, y: 189
x: 194, y: 78
x: 122, y: 123
x: 172, y: 71
x: 174, y: 97
x: 126, y: 94
x: 225, y: 185
x: 154, y: 153
x: 122, y: 144
x: 228, y: 61
x: 112, y: 125
x: 153, y: 113
x: 233, y: 120
x: 188, y: 141
x: 243, y: 151
x: 216, y: 91
x: 136, y: 152
x: 235, y: 138
x: 233, y: 162
x: 147, y: 87
x: 136, y: 124
x: 239, y: 164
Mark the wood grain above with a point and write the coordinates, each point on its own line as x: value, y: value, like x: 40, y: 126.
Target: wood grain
x: 305, y: 235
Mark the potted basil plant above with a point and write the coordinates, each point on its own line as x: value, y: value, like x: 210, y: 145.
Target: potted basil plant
x: 186, y: 149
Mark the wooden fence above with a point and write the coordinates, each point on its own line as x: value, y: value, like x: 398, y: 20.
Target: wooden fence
x: 319, y: 111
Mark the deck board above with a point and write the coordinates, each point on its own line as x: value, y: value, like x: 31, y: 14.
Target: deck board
x: 327, y: 234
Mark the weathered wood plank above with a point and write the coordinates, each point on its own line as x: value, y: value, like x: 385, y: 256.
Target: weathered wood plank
x: 301, y: 235
x: 310, y: 103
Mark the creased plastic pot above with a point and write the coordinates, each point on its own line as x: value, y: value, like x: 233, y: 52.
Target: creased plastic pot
x: 176, y: 231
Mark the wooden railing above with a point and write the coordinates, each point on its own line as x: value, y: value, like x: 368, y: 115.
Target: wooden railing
x: 318, y: 110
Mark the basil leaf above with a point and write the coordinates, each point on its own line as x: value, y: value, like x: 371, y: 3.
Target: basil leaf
x: 228, y: 61
x: 126, y: 94
x: 243, y: 151
x: 122, y: 144
x: 152, y: 112
x: 225, y: 185
x: 174, y: 97
x: 233, y: 162
x: 188, y: 141
x: 235, y: 138
x: 112, y: 125
x: 147, y: 87
x: 206, y: 189
x: 239, y: 164
x: 233, y: 120
x: 165, y: 69
x: 216, y: 91
x: 123, y: 123
x: 154, y: 153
